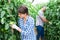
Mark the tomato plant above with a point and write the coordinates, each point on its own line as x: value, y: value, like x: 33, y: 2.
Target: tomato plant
x: 9, y: 15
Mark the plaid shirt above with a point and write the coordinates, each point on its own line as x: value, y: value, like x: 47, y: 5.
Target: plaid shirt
x: 27, y: 29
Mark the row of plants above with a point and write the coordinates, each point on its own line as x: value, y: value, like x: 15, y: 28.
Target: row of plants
x: 8, y: 13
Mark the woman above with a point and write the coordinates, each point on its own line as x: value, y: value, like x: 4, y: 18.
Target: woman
x: 26, y: 24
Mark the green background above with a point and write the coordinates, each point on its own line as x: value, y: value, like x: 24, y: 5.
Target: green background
x: 8, y: 13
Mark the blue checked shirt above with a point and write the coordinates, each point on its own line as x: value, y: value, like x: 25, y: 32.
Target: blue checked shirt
x: 27, y: 29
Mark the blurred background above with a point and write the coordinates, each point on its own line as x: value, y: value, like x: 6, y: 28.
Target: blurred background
x: 8, y: 13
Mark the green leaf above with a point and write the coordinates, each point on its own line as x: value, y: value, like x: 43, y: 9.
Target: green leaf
x: 6, y: 26
x: 2, y: 13
x: 13, y: 37
x: 2, y: 20
x: 0, y: 9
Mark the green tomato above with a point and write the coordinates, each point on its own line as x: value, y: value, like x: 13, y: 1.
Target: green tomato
x: 12, y: 22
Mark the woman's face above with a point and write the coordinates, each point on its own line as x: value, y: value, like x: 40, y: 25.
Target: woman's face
x: 21, y: 15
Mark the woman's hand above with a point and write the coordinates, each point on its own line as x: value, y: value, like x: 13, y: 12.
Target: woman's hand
x: 13, y: 26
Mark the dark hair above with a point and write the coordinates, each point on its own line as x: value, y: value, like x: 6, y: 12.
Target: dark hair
x: 23, y: 9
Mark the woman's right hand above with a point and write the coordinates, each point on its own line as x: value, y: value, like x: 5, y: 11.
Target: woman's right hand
x: 14, y: 26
